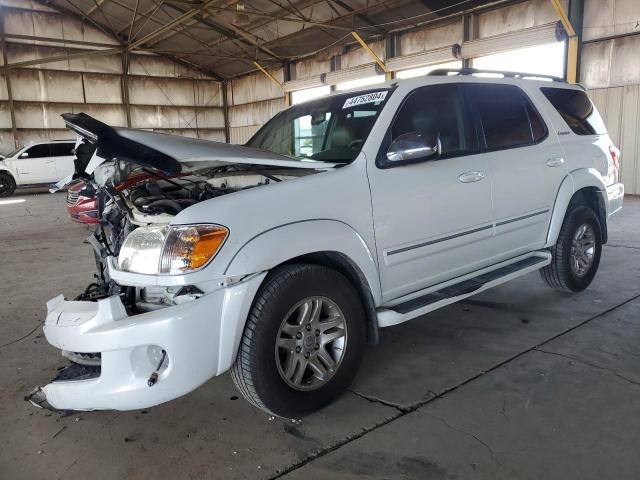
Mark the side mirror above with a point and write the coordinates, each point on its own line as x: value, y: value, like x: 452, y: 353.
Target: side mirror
x: 24, y: 155
x: 414, y: 147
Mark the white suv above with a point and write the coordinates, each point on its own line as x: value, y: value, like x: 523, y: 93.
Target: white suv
x: 39, y: 163
x: 280, y: 259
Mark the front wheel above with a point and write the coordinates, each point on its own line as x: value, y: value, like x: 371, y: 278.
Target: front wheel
x: 303, y: 341
x: 7, y: 184
x: 576, y: 254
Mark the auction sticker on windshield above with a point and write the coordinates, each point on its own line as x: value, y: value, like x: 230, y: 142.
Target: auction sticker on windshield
x: 366, y: 98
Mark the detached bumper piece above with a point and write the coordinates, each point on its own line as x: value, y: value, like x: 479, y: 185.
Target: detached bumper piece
x: 123, y: 362
x: 71, y: 372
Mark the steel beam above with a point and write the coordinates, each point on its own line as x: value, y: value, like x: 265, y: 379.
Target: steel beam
x: 69, y: 56
x: 371, y: 53
x: 124, y: 86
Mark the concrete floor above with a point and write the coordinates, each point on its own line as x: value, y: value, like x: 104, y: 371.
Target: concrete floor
x: 518, y: 382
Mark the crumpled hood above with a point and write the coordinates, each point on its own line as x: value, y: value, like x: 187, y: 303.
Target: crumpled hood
x: 171, y: 153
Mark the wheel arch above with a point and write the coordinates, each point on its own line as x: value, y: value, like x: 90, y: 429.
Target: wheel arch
x: 320, y: 242
x: 581, y: 187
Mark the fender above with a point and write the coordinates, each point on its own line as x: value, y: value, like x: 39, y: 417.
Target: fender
x: 279, y: 244
x: 574, y: 181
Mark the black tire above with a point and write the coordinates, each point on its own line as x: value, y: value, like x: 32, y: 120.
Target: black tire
x: 7, y: 184
x: 255, y: 371
x: 559, y: 274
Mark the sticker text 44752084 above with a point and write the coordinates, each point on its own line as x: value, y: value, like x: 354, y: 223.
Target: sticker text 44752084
x: 373, y: 97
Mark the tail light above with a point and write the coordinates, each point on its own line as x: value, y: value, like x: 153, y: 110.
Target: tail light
x: 615, y: 156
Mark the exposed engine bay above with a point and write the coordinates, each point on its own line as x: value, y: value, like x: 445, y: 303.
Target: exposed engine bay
x: 129, y: 197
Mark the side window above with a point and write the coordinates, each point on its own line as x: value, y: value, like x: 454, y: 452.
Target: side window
x: 438, y: 110
x: 577, y: 110
x: 38, y: 151
x: 508, y: 118
x: 61, y: 149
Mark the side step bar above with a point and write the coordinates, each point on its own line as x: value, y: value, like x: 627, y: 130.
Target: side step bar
x: 463, y: 287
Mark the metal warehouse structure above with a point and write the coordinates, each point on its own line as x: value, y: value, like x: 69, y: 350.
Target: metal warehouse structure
x: 219, y: 69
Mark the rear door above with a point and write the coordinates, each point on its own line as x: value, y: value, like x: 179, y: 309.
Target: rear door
x: 526, y: 162
x: 35, y: 165
x: 62, y: 155
x: 432, y: 220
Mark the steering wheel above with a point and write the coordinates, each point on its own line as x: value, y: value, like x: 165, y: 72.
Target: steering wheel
x: 355, y: 143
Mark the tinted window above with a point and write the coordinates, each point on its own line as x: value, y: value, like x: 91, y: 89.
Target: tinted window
x: 437, y: 110
x: 38, y: 151
x: 504, y: 111
x: 61, y: 149
x: 577, y: 110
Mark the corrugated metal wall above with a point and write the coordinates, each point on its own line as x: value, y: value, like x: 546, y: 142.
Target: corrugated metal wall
x: 164, y: 95
x: 611, y: 72
x: 253, y: 99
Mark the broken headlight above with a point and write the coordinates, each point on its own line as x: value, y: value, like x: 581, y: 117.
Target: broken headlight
x: 170, y: 250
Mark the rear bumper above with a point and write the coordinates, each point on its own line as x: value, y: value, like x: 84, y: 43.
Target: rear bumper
x: 200, y: 338
x: 615, y: 198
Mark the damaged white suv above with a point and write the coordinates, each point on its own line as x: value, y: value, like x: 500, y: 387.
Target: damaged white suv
x: 280, y: 259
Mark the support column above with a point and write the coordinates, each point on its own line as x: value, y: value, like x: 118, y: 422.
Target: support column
x: 391, y: 49
x: 287, y: 69
x: 225, y: 112
x: 124, y: 86
x: 3, y: 46
x: 469, y: 32
x: 576, y: 17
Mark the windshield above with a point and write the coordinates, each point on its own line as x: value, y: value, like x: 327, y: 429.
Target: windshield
x: 331, y: 129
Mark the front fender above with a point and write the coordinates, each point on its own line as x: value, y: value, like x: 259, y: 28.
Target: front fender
x: 277, y: 245
x: 574, y: 181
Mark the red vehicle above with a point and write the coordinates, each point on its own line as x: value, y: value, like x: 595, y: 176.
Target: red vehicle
x: 82, y: 204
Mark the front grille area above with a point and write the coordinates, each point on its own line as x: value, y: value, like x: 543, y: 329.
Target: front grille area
x: 72, y: 198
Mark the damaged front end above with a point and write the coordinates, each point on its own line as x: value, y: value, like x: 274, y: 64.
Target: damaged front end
x: 138, y: 338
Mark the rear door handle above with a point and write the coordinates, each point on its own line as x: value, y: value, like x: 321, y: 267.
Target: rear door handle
x: 470, y: 177
x: 555, y: 162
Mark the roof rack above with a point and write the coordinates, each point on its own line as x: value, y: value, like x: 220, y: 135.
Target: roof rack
x: 475, y: 71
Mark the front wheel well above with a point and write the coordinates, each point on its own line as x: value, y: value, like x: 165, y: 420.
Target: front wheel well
x: 341, y: 263
x: 592, y: 197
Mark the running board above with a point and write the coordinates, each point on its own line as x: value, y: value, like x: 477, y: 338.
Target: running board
x: 460, y: 288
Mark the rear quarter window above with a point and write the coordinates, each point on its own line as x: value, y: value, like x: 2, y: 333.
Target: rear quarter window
x: 576, y: 109
x: 508, y: 118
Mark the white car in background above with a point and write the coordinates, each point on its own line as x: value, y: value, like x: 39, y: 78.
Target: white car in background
x: 38, y: 163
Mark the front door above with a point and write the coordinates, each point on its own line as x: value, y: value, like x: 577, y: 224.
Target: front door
x: 35, y: 165
x: 432, y: 220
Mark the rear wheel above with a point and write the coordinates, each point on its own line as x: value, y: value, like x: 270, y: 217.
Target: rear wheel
x: 576, y: 255
x: 303, y: 341
x: 7, y: 184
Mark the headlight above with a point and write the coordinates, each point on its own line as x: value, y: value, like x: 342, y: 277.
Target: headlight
x: 170, y: 250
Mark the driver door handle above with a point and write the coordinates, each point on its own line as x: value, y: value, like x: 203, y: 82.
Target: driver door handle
x: 470, y: 177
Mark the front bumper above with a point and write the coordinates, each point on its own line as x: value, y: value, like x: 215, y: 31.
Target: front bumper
x: 200, y: 338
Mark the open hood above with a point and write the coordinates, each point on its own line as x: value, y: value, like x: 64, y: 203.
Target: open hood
x: 171, y: 153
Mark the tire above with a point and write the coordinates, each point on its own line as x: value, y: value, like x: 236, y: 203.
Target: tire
x: 259, y: 369
x: 563, y: 272
x: 7, y: 184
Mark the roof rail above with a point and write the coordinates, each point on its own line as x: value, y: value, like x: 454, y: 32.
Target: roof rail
x: 475, y: 71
